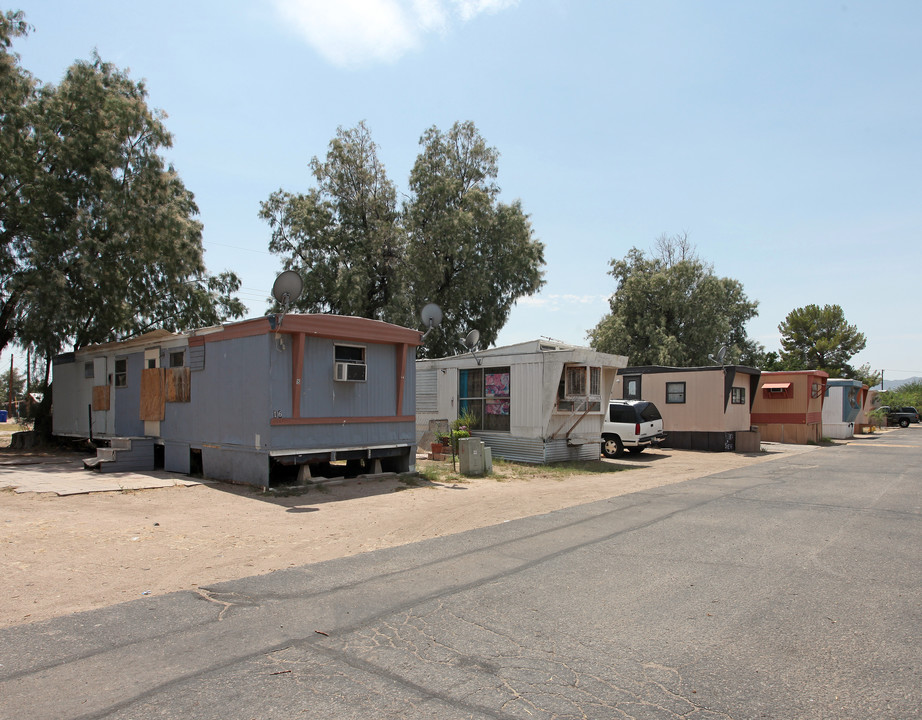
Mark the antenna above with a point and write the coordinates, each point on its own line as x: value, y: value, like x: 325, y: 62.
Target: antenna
x: 470, y: 342
x: 431, y: 316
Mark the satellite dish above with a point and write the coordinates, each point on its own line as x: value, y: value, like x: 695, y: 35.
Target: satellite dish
x: 721, y: 354
x: 470, y: 342
x: 431, y: 315
x: 287, y: 288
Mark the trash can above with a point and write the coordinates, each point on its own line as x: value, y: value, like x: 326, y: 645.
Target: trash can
x: 3, y: 414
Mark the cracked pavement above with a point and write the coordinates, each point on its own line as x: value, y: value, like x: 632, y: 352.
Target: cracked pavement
x: 790, y: 589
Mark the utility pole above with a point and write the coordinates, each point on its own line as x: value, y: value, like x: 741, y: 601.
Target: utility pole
x: 9, y: 408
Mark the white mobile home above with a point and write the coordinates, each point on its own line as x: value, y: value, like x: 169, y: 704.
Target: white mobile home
x: 841, y: 407
x: 540, y: 401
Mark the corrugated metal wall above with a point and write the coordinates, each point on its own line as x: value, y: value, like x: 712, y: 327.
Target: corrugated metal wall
x: 535, y: 450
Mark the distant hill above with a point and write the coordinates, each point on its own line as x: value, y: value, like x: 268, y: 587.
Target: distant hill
x: 892, y: 384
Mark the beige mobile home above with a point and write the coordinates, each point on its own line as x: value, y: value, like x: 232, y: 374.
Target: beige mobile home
x: 703, y: 408
x: 871, y: 403
x: 539, y: 401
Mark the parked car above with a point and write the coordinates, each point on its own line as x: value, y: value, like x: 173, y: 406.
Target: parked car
x: 911, y: 411
x: 901, y: 416
x: 631, y: 424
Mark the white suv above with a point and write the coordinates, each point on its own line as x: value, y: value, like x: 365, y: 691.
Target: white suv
x: 631, y: 424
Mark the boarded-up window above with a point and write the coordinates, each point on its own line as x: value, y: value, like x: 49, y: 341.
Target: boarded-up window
x: 152, y: 394
x: 100, y: 397
x: 179, y: 384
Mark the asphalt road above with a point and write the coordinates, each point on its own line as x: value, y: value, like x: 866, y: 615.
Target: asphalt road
x: 789, y: 589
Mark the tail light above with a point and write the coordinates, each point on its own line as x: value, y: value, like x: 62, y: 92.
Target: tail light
x: 637, y: 428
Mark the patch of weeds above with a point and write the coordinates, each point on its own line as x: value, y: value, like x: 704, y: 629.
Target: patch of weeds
x: 558, y: 470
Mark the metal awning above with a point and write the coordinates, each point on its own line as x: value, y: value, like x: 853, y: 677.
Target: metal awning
x: 776, y: 386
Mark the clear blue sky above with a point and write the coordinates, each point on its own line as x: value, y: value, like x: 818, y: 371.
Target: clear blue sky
x: 784, y: 137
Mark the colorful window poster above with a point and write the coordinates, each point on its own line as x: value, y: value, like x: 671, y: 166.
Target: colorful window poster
x: 497, y: 385
x: 497, y: 407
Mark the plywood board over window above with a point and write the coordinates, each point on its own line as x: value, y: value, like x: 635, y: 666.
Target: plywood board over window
x: 100, y: 397
x: 179, y: 384
x: 153, y: 394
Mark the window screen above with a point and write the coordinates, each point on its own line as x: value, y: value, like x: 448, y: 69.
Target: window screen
x: 675, y: 392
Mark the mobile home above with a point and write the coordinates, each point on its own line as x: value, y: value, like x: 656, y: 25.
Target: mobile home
x: 703, y: 408
x: 539, y: 401
x: 841, y: 407
x: 788, y: 406
x: 250, y: 401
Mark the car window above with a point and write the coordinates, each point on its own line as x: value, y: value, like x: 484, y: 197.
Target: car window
x: 621, y: 413
x: 649, y: 412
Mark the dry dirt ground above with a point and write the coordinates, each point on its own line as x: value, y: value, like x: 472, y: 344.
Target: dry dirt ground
x: 61, y: 555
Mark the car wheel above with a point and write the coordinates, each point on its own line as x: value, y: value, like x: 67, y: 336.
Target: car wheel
x: 612, y: 446
x: 904, y: 422
x: 635, y: 450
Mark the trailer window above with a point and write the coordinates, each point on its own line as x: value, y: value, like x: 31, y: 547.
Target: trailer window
x: 121, y: 373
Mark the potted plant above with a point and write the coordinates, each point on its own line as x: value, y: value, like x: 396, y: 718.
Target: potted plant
x: 442, y: 444
x: 461, y: 428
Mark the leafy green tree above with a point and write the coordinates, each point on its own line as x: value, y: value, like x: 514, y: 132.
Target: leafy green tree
x: 453, y: 243
x: 819, y: 338
x: 671, y: 309
x: 100, y: 237
x: 469, y: 253
x: 19, y: 385
x: 343, y: 236
x: 906, y: 394
x: 17, y: 169
x: 866, y: 375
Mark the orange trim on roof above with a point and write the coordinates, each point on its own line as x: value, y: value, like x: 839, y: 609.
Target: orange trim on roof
x: 335, y: 327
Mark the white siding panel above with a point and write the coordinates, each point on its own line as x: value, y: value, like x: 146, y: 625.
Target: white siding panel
x: 527, y: 406
x: 427, y: 391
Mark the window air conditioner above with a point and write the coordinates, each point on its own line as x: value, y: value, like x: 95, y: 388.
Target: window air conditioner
x: 354, y: 372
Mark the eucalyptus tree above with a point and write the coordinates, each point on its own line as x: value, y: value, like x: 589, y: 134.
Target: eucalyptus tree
x: 17, y: 148
x: 101, y: 240
x: 469, y: 253
x: 672, y: 309
x: 452, y: 243
x: 343, y: 236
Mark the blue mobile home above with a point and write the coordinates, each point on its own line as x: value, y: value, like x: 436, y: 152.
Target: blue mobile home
x: 249, y: 402
x: 841, y: 407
